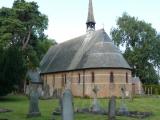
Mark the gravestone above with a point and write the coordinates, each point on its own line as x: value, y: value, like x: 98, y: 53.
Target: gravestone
x: 111, y: 89
x: 112, y: 108
x: 2, y: 110
x: 68, y: 84
x: 27, y: 90
x: 33, y: 102
x: 95, y: 105
x: 55, y: 93
x: 46, y: 94
x: 123, y: 109
x: 67, y: 105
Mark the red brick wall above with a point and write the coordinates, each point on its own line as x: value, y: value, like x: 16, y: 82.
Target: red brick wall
x: 101, y: 79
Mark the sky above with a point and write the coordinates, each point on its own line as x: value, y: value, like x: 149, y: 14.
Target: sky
x: 67, y: 18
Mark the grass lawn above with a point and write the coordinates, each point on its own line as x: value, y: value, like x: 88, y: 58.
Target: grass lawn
x: 19, y: 105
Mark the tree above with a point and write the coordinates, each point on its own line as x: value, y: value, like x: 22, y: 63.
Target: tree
x: 43, y: 46
x: 12, y: 69
x: 140, y: 42
x: 22, y: 31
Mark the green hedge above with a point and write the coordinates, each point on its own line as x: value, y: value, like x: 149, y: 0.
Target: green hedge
x: 155, y: 89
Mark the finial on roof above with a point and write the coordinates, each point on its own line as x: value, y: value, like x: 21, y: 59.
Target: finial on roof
x: 90, y: 20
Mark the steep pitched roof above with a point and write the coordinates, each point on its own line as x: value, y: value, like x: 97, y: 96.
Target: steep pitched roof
x: 92, y: 50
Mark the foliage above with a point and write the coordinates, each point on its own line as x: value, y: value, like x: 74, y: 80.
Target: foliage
x: 140, y: 41
x: 22, y: 31
x: 22, y: 25
x: 12, y: 69
x: 42, y: 47
x: 155, y: 89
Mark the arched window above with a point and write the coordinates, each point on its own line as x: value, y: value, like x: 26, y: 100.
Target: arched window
x: 92, y: 77
x: 126, y: 77
x: 53, y: 82
x: 79, y: 78
x: 65, y: 79
x: 111, y: 77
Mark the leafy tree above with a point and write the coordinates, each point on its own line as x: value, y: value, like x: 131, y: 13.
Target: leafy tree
x: 12, y: 69
x: 43, y: 46
x: 140, y: 41
x: 23, y: 25
x: 21, y: 36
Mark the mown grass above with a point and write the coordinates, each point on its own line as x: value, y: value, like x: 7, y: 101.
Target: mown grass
x: 19, y: 106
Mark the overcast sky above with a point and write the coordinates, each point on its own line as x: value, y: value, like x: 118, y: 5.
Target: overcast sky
x: 67, y: 18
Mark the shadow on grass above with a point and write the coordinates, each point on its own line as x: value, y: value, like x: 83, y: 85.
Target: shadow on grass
x: 13, y: 98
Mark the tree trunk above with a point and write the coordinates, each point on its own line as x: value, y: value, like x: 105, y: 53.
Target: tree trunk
x: 25, y: 42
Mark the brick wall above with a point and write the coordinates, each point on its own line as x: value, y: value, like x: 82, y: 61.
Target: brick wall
x: 82, y: 82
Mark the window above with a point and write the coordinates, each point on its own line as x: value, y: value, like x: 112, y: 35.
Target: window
x: 92, y: 77
x: 79, y: 78
x: 46, y: 79
x: 126, y: 77
x: 62, y: 80
x: 65, y: 79
x: 111, y: 77
x: 53, y: 82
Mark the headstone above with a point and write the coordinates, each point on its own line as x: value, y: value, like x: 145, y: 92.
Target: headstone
x: 123, y: 109
x: 112, y: 108
x: 111, y: 89
x: 33, y: 102
x: 68, y: 84
x: 27, y: 90
x: 39, y: 89
x: 2, y: 110
x: 67, y: 105
x: 148, y: 91
x: 95, y: 105
x: 46, y: 93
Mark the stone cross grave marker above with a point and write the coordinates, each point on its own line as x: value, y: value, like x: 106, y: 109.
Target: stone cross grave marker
x: 112, y: 108
x: 95, y: 105
x: 123, y: 109
x: 33, y: 102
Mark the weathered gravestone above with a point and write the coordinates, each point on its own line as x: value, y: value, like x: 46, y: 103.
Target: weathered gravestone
x: 95, y: 105
x: 112, y: 108
x: 46, y: 94
x: 123, y: 109
x: 67, y: 105
x: 33, y: 102
x: 2, y: 110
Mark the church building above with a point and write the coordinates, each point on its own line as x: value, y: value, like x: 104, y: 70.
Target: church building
x: 87, y: 61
